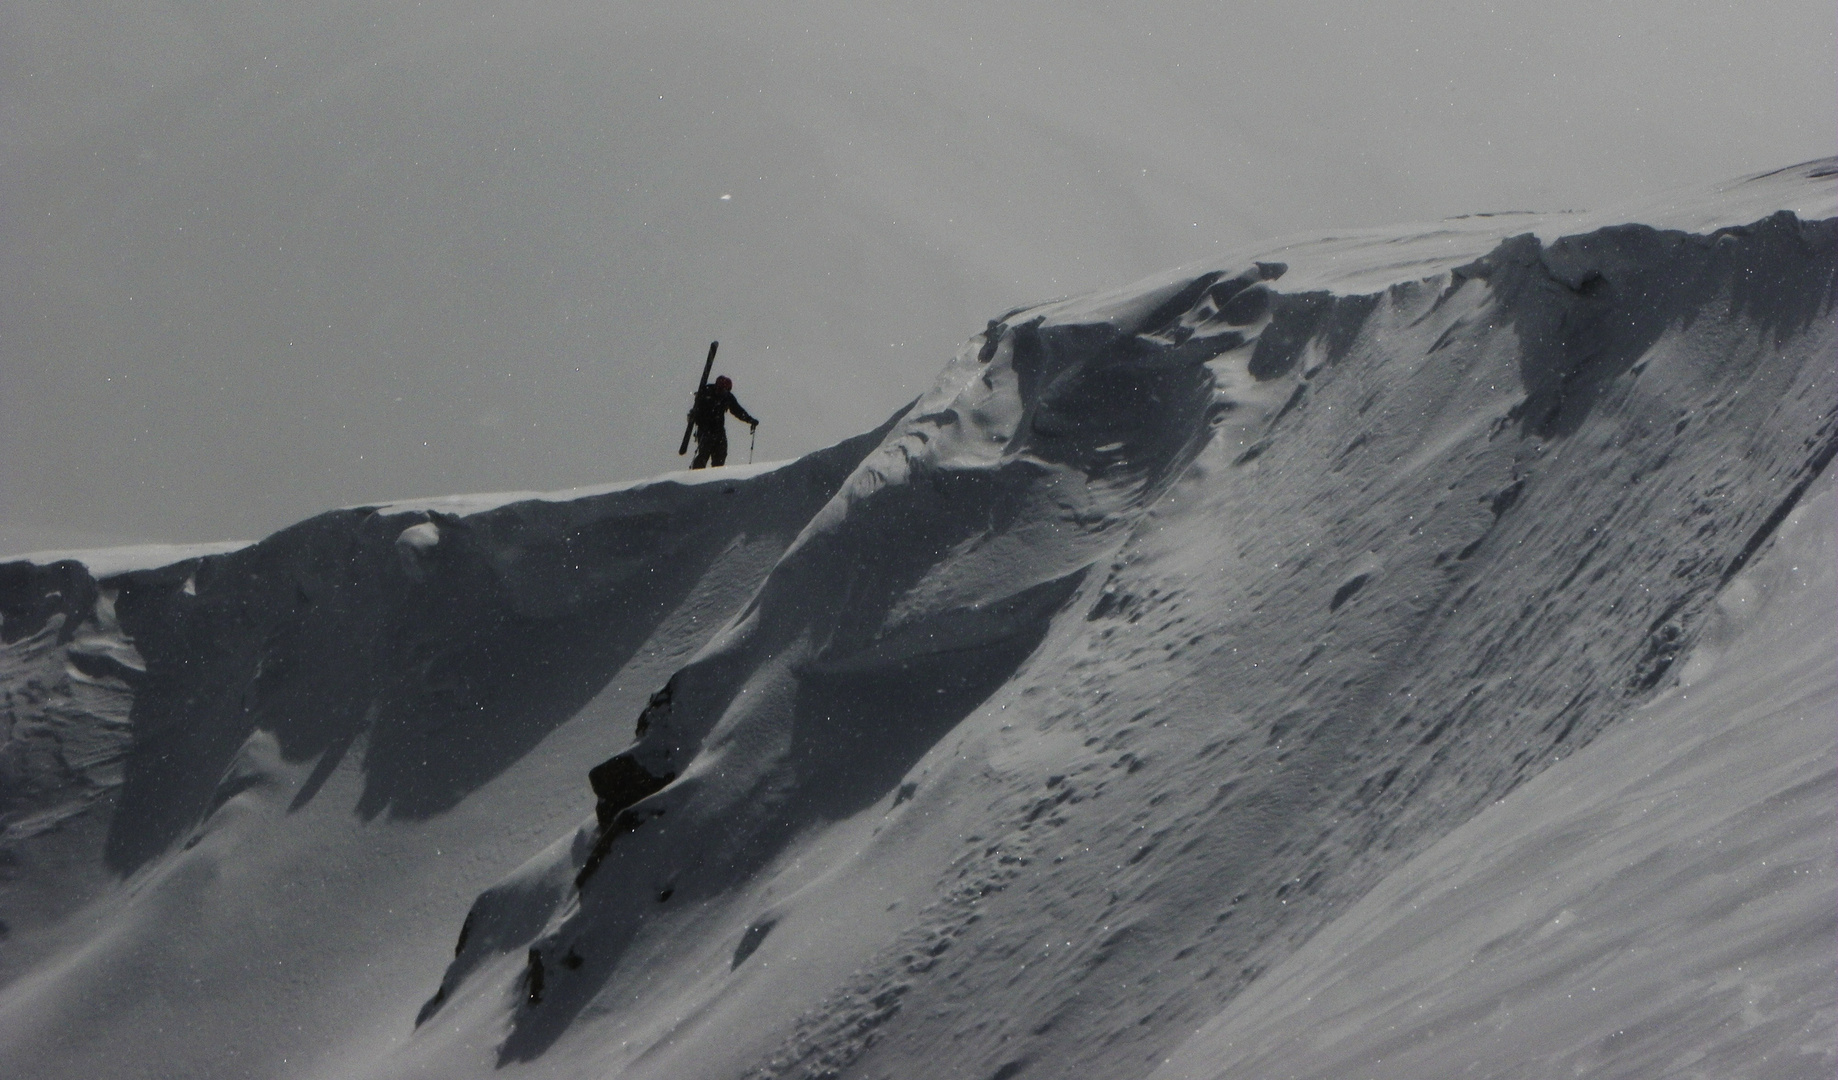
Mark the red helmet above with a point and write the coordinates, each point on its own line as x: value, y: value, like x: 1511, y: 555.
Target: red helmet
x: 722, y: 382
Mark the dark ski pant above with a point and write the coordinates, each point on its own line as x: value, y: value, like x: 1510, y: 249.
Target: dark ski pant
x: 711, y: 448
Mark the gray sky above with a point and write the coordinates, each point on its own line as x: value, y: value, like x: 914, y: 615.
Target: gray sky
x: 257, y: 260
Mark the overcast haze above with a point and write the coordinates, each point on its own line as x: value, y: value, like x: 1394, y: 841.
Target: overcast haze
x: 260, y: 260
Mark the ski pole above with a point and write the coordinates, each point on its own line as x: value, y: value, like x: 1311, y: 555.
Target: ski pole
x: 752, y: 437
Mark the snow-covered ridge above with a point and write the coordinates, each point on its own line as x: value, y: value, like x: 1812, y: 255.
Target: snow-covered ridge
x: 1019, y: 738
x: 1402, y: 702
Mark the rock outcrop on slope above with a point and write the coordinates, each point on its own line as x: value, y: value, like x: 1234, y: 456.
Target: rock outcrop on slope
x: 1022, y: 736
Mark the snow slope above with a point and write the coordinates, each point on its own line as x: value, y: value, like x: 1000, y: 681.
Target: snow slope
x: 1661, y: 905
x: 1120, y: 688
x: 339, y: 735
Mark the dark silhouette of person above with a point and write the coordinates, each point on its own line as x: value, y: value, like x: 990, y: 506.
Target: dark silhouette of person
x: 709, y: 415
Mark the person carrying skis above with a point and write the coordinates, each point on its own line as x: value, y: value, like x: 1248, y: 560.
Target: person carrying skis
x: 709, y: 417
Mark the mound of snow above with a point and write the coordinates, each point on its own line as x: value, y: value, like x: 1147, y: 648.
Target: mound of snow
x: 1136, y: 670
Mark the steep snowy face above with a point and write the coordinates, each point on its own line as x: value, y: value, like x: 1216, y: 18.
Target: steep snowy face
x: 908, y: 600
x: 1658, y: 905
x: 1161, y: 629
x: 1019, y: 738
x: 450, y: 646
x: 956, y: 540
x: 67, y: 679
x: 240, y: 787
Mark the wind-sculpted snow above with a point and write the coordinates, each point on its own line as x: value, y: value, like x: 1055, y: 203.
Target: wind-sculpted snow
x: 1659, y: 906
x: 182, y: 725
x: 910, y: 598
x: 449, y: 645
x: 1164, y: 628
x: 1219, y: 604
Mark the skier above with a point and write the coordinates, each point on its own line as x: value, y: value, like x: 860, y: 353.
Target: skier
x: 709, y: 417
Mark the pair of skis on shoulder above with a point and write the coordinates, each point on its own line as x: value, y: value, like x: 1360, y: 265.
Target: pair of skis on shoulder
x: 707, y: 366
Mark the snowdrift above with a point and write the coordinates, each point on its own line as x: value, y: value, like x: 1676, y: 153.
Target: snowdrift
x: 1131, y: 683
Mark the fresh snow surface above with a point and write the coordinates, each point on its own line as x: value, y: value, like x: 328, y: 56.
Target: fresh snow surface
x: 1659, y: 905
x: 1309, y: 663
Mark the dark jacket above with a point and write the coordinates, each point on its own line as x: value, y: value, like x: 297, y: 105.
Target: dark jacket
x: 712, y: 404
